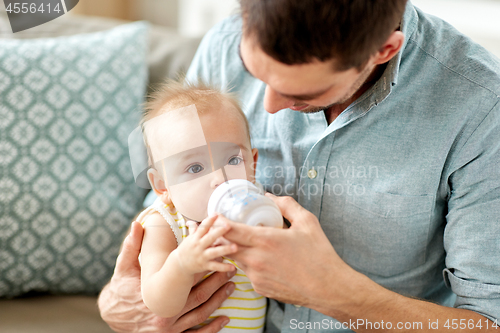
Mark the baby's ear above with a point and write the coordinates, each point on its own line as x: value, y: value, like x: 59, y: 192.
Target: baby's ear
x: 156, y: 182
x: 158, y: 186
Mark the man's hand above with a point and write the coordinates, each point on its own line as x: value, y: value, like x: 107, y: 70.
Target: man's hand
x: 299, y: 266
x: 121, y: 305
x: 291, y: 265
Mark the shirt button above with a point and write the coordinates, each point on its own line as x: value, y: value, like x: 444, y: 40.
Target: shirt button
x: 312, y: 173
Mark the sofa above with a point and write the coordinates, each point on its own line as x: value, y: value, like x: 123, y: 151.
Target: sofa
x: 41, y: 289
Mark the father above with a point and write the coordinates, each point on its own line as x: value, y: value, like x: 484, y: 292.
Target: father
x: 388, y: 143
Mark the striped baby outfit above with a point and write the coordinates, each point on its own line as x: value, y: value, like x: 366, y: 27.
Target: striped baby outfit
x: 245, y: 308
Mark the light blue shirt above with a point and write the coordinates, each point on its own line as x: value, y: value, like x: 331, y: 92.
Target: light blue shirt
x: 405, y: 182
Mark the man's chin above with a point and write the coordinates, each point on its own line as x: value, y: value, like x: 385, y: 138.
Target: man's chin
x: 315, y: 109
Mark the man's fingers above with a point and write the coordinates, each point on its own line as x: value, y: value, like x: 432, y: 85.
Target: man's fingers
x: 128, y: 259
x: 239, y: 233
x: 290, y: 209
x: 206, y: 289
x: 215, y: 326
x: 202, y: 303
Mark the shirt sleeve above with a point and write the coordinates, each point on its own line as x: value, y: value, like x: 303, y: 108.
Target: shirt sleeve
x: 215, y: 62
x: 471, y: 236
x: 205, y: 66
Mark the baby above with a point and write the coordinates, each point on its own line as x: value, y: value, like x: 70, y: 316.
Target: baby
x: 197, y: 138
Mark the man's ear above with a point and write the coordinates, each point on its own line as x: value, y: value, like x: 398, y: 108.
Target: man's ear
x: 255, y: 155
x: 390, y: 48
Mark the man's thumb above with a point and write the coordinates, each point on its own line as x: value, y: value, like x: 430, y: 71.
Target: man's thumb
x: 128, y: 260
x: 290, y: 209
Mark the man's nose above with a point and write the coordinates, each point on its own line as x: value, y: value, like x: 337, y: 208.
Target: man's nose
x: 274, y: 102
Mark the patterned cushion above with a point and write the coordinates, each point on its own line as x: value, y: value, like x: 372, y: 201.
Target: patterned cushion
x: 67, y: 194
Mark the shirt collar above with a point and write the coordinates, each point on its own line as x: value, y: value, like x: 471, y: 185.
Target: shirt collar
x: 408, y: 27
x: 383, y: 87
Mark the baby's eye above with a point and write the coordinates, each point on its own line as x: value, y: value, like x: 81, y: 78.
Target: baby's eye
x: 235, y: 160
x: 195, y: 168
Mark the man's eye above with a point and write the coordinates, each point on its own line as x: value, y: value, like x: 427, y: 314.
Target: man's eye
x: 195, y: 168
x: 235, y: 160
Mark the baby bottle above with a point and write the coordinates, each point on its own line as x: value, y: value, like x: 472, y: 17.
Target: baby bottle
x: 241, y: 201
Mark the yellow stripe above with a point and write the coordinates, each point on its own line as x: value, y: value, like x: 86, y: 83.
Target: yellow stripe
x: 245, y: 328
x: 240, y: 275
x: 241, y: 308
x: 238, y: 327
x: 240, y: 318
x: 232, y: 262
x: 245, y: 291
x: 242, y: 282
x: 246, y: 299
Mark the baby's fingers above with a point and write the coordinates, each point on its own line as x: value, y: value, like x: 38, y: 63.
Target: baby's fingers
x: 192, y: 227
x: 221, y: 241
x: 219, y: 267
x: 205, y: 225
x: 215, y: 232
x: 220, y: 251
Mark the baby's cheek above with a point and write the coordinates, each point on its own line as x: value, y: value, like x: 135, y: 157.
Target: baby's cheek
x: 191, y: 198
x: 236, y: 172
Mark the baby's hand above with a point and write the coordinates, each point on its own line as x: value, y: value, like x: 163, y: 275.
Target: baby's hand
x: 196, y: 253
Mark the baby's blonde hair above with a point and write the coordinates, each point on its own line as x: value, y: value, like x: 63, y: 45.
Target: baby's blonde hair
x: 175, y: 94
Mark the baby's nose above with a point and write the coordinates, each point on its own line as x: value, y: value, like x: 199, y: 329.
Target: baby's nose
x: 218, y: 178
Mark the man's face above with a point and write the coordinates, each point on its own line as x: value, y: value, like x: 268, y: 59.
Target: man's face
x: 307, y: 88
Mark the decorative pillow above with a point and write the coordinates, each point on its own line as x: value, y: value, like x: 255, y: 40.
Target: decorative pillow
x: 67, y: 193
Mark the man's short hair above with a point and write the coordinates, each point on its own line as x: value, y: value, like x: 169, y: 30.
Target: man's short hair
x: 300, y: 31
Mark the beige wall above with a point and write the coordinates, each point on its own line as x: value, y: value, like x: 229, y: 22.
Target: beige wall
x: 161, y: 12
x: 109, y: 8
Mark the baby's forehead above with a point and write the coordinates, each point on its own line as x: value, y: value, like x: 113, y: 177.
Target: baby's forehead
x: 173, y: 131
x: 189, y: 118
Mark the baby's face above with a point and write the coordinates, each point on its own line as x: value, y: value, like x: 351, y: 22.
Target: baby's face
x: 196, y: 153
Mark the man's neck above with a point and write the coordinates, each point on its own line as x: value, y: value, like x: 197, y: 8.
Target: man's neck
x: 335, y: 110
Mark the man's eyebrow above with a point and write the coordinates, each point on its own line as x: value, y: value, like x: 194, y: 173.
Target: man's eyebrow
x: 242, y: 62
